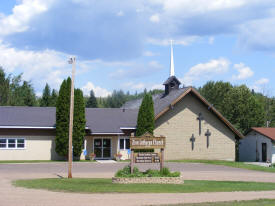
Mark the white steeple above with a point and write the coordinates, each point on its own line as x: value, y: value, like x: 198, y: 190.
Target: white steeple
x: 172, y: 68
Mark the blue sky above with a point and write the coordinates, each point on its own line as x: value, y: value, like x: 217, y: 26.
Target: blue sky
x: 124, y: 44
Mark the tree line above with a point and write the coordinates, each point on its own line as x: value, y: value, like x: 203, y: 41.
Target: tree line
x: 243, y: 107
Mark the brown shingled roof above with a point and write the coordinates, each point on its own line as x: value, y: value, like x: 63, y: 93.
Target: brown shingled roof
x: 268, y: 132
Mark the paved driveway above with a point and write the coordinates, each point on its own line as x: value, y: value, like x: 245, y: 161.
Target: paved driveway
x: 195, y: 171
x: 28, y: 197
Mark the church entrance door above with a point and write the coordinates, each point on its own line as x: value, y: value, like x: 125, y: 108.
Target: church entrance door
x: 102, y: 148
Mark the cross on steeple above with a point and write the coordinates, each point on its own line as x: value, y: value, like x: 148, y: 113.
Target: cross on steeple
x: 200, y: 118
x: 192, y: 139
x: 207, y: 134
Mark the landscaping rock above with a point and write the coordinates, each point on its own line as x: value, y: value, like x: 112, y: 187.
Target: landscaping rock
x: 148, y: 180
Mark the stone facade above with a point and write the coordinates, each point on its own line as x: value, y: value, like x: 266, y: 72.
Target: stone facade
x: 178, y: 125
x: 148, y: 180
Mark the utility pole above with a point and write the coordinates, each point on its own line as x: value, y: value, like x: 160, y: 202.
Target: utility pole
x: 70, y: 155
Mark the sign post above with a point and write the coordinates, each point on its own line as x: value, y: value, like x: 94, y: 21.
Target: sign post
x: 132, y: 156
x: 147, y: 141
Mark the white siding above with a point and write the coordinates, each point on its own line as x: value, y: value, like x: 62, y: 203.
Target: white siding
x: 247, y: 147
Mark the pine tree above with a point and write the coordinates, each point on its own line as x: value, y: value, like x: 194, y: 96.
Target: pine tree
x: 54, y: 97
x: 146, y: 116
x: 62, y: 118
x: 27, y: 94
x: 79, y: 123
x: 46, y: 97
x: 92, y: 103
x: 4, y: 87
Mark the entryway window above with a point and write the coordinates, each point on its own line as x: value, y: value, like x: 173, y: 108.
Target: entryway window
x: 124, y: 143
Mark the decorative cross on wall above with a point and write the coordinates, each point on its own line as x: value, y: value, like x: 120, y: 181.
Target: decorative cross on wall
x: 200, y: 118
x: 192, y: 139
x: 207, y: 134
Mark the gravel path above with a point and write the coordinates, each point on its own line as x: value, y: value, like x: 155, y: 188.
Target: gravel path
x: 13, y: 196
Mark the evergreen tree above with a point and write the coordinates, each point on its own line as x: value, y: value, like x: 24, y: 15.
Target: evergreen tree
x: 46, y: 97
x: 4, y: 87
x: 54, y: 97
x: 62, y: 118
x: 79, y: 123
x: 92, y: 103
x: 146, y: 116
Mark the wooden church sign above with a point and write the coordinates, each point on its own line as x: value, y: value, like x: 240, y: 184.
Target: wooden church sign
x: 147, y: 141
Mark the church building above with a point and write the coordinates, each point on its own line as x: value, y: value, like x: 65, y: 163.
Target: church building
x: 193, y: 128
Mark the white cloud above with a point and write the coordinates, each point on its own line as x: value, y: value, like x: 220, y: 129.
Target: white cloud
x: 258, y: 34
x: 211, y: 40
x: 186, y: 40
x: 193, y: 7
x: 262, y: 81
x: 157, y: 86
x: 120, y: 13
x: 155, y: 64
x: 39, y: 67
x: 149, y: 54
x: 21, y: 15
x: 140, y: 86
x: 261, y: 85
x: 206, y: 70
x: 155, y: 18
x: 99, y: 91
x: 244, y: 71
x: 137, y: 70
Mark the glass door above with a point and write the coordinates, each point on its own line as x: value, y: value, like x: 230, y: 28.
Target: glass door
x: 98, y: 148
x: 102, y: 148
x: 106, y: 148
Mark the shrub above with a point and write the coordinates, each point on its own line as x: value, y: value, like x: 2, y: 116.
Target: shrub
x: 126, y: 172
x: 165, y: 172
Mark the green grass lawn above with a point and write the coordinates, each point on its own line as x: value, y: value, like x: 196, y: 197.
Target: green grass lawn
x: 230, y: 164
x: 261, y: 202
x: 96, y: 185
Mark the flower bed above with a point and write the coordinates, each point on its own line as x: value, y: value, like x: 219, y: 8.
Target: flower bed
x: 163, y: 176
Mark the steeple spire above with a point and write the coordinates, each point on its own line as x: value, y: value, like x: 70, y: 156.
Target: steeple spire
x: 172, y: 68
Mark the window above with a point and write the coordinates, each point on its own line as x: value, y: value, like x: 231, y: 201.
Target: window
x: 124, y: 143
x: 3, y: 143
x: 20, y: 143
x: 12, y: 143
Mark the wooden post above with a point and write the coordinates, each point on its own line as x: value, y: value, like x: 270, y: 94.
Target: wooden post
x: 161, y: 158
x: 70, y: 155
x: 132, y: 157
x: 132, y: 161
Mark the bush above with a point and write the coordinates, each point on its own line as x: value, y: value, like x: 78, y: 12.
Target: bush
x: 165, y: 172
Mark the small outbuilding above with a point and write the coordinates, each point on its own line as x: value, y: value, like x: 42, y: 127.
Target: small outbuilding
x: 258, y: 145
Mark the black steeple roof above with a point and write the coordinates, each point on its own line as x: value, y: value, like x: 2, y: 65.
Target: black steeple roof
x: 171, y: 83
